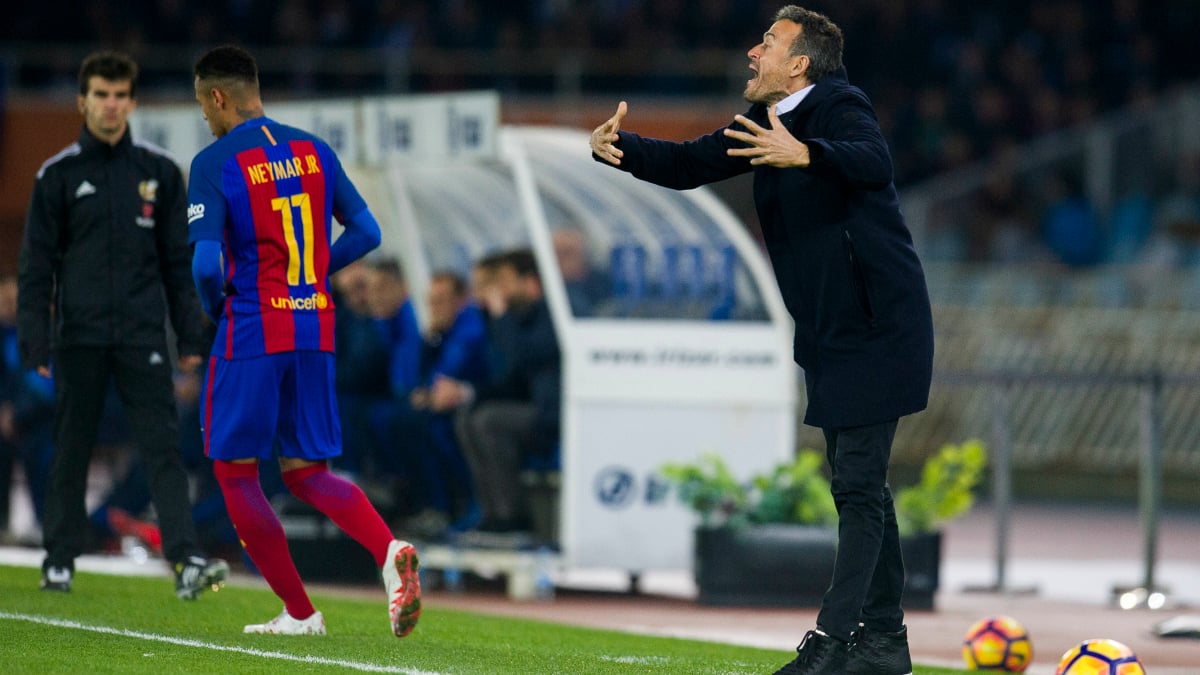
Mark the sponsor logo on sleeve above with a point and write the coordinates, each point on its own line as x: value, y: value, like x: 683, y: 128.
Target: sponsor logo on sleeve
x: 195, y: 212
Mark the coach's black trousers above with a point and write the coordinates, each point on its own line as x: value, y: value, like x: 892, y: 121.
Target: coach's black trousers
x: 143, y: 379
x: 868, y: 575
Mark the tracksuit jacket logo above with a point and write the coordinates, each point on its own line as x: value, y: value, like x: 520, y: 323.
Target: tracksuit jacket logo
x: 85, y: 188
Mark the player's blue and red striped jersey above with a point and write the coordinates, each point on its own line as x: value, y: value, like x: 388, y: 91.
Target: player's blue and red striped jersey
x: 269, y: 193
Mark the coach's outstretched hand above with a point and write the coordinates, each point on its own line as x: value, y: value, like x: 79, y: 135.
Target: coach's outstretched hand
x: 606, y: 134
x: 773, y: 145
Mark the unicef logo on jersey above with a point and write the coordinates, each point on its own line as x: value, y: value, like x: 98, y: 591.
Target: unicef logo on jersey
x: 317, y: 301
x: 614, y: 487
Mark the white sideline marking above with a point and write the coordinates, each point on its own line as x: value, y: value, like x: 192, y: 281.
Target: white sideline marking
x: 320, y: 660
x: 636, y: 660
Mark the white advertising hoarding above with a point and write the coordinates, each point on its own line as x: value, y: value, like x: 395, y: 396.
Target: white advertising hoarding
x: 179, y: 129
x: 644, y: 393
x: 430, y: 128
x: 335, y: 122
x: 435, y: 128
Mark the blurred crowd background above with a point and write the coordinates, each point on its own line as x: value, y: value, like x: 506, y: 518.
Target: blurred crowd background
x: 952, y: 82
x: 1057, y: 136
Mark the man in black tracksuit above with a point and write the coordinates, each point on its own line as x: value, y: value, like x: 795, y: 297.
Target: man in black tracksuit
x: 104, y: 256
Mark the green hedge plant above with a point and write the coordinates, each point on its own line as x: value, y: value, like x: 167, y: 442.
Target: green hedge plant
x: 946, y: 489
x: 798, y: 492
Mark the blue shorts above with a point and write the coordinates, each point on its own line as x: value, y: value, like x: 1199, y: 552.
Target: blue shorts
x: 247, y: 403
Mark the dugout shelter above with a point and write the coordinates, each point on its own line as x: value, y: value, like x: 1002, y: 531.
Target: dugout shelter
x: 684, y: 350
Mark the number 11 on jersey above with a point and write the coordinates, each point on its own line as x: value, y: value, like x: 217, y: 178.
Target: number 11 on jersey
x: 285, y: 207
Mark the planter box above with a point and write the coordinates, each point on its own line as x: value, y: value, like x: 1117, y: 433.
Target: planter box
x: 922, y: 560
x: 764, y: 565
x: 791, y: 566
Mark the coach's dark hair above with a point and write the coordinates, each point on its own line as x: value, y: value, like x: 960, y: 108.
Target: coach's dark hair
x: 227, y: 62
x: 113, y: 66
x: 820, y: 40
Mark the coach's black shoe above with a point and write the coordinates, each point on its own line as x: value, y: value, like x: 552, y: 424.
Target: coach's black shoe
x: 818, y: 654
x: 194, y: 574
x: 55, y: 578
x: 879, y: 653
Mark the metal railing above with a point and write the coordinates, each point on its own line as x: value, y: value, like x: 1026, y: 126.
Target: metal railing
x: 1079, y: 400
x: 1150, y: 387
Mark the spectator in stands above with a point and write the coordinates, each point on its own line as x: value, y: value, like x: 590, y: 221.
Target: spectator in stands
x: 586, y: 287
x: 1070, y: 227
x: 373, y: 309
x: 1177, y: 216
x: 512, y: 418
x: 391, y: 434
x: 26, y: 414
x: 1000, y: 227
x: 361, y: 362
x: 455, y: 347
x: 391, y: 306
x: 1069, y: 58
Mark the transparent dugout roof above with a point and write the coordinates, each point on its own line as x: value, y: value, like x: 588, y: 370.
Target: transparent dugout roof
x: 652, y: 252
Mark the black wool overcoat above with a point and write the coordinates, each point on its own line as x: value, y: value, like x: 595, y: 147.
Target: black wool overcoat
x: 839, y: 246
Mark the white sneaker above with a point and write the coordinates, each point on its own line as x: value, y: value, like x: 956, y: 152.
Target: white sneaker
x: 284, y: 624
x: 403, y: 586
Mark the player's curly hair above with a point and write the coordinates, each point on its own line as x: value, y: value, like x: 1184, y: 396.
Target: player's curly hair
x: 820, y: 40
x: 227, y: 62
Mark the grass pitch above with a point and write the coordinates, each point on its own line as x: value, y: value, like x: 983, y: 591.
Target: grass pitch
x: 120, y: 624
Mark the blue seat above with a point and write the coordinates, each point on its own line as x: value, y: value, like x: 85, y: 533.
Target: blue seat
x: 627, y: 269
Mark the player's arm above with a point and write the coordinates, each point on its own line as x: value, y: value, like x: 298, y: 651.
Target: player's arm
x: 206, y: 227
x: 361, y: 236
x: 209, y: 275
x: 362, y: 233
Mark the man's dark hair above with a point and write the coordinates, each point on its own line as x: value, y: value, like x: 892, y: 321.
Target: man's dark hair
x: 523, y: 261
x: 389, y: 267
x: 112, y: 66
x: 456, y: 281
x: 820, y: 40
x: 227, y: 62
x: 490, y: 262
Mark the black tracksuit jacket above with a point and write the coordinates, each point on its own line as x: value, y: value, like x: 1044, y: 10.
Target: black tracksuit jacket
x: 105, y: 245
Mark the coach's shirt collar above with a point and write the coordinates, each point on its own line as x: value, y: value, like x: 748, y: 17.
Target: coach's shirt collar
x: 792, y: 100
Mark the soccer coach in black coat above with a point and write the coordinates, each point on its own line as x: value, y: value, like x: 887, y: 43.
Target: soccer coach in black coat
x: 850, y: 278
